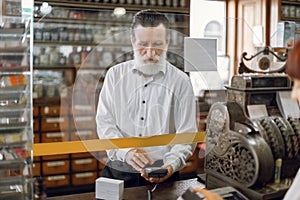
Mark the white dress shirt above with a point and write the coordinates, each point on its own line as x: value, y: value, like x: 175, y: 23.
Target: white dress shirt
x: 131, y: 105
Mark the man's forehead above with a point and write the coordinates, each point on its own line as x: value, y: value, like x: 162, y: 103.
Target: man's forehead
x: 158, y: 30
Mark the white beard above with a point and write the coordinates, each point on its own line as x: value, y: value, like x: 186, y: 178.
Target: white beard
x: 150, y: 67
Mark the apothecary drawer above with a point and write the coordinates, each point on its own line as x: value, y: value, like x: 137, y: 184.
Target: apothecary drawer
x: 55, y: 157
x: 56, y: 167
x: 35, y: 111
x: 54, y: 110
x: 55, y: 137
x: 36, y: 125
x: 84, y: 178
x: 84, y: 164
x: 83, y: 135
x: 83, y: 123
x: 84, y: 110
x: 57, y: 180
x: 36, y: 168
x: 55, y: 124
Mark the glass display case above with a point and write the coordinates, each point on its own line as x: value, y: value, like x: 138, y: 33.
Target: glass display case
x: 16, y: 134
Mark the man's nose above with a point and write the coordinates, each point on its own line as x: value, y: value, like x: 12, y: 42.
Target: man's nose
x: 150, y: 52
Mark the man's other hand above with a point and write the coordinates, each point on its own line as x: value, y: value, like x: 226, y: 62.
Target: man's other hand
x: 158, y: 180
x: 138, y: 159
x: 208, y: 195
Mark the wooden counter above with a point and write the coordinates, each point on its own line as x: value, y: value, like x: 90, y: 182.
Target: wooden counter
x: 164, y: 191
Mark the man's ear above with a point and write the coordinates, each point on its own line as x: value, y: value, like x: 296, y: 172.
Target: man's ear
x: 132, y: 39
x: 168, y: 38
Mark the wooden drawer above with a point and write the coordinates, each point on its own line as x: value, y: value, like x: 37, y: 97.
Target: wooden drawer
x: 56, y: 157
x: 36, y: 125
x: 84, y: 164
x: 55, y: 110
x: 83, y: 123
x: 36, y: 158
x: 57, y: 181
x: 36, y: 169
x: 84, y: 135
x: 55, y: 124
x: 36, y: 111
x: 36, y: 138
x: 55, y: 137
x: 84, y: 178
x: 83, y: 110
x: 80, y: 155
x: 56, y: 167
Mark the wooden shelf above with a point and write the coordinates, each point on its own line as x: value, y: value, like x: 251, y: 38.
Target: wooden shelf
x: 290, y: 19
x: 99, y: 22
x: 291, y: 2
x: 110, y: 6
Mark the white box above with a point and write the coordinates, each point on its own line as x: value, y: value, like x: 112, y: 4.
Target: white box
x: 111, y: 189
x: 200, y: 54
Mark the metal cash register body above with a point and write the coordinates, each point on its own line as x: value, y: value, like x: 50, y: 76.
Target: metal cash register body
x: 241, y: 152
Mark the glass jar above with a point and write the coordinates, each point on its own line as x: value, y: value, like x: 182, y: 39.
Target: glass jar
x: 298, y: 12
x: 44, y: 59
x: 38, y: 35
x: 46, y: 35
x: 74, y: 57
x: 63, y: 34
x: 89, y: 35
x: 53, y: 56
x: 54, y: 35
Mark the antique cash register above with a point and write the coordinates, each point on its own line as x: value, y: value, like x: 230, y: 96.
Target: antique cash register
x: 253, y: 139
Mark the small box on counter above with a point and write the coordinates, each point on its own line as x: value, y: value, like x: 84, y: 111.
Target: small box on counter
x: 286, y: 34
x: 111, y: 189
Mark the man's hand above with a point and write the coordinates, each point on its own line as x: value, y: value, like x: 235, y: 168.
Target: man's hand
x: 138, y: 159
x: 158, y: 180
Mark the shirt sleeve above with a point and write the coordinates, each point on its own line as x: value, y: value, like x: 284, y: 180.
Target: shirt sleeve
x: 105, y: 120
x: 185, y: 121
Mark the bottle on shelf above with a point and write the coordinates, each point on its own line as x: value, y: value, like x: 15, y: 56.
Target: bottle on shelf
x: 84, y: 54
x: 74, y: 57
x: 38, y: 34
x: 63, y: 34
x: 54, y: 35
x: 62, y: 59
x: 53, y: 56
x: 44, y: 59
x: 46, y: 35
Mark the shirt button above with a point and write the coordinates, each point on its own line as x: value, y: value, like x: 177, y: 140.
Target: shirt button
x: 143, y: 101
x: 142, y: 118
x: 145, y: 85
x: 140, y: 135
